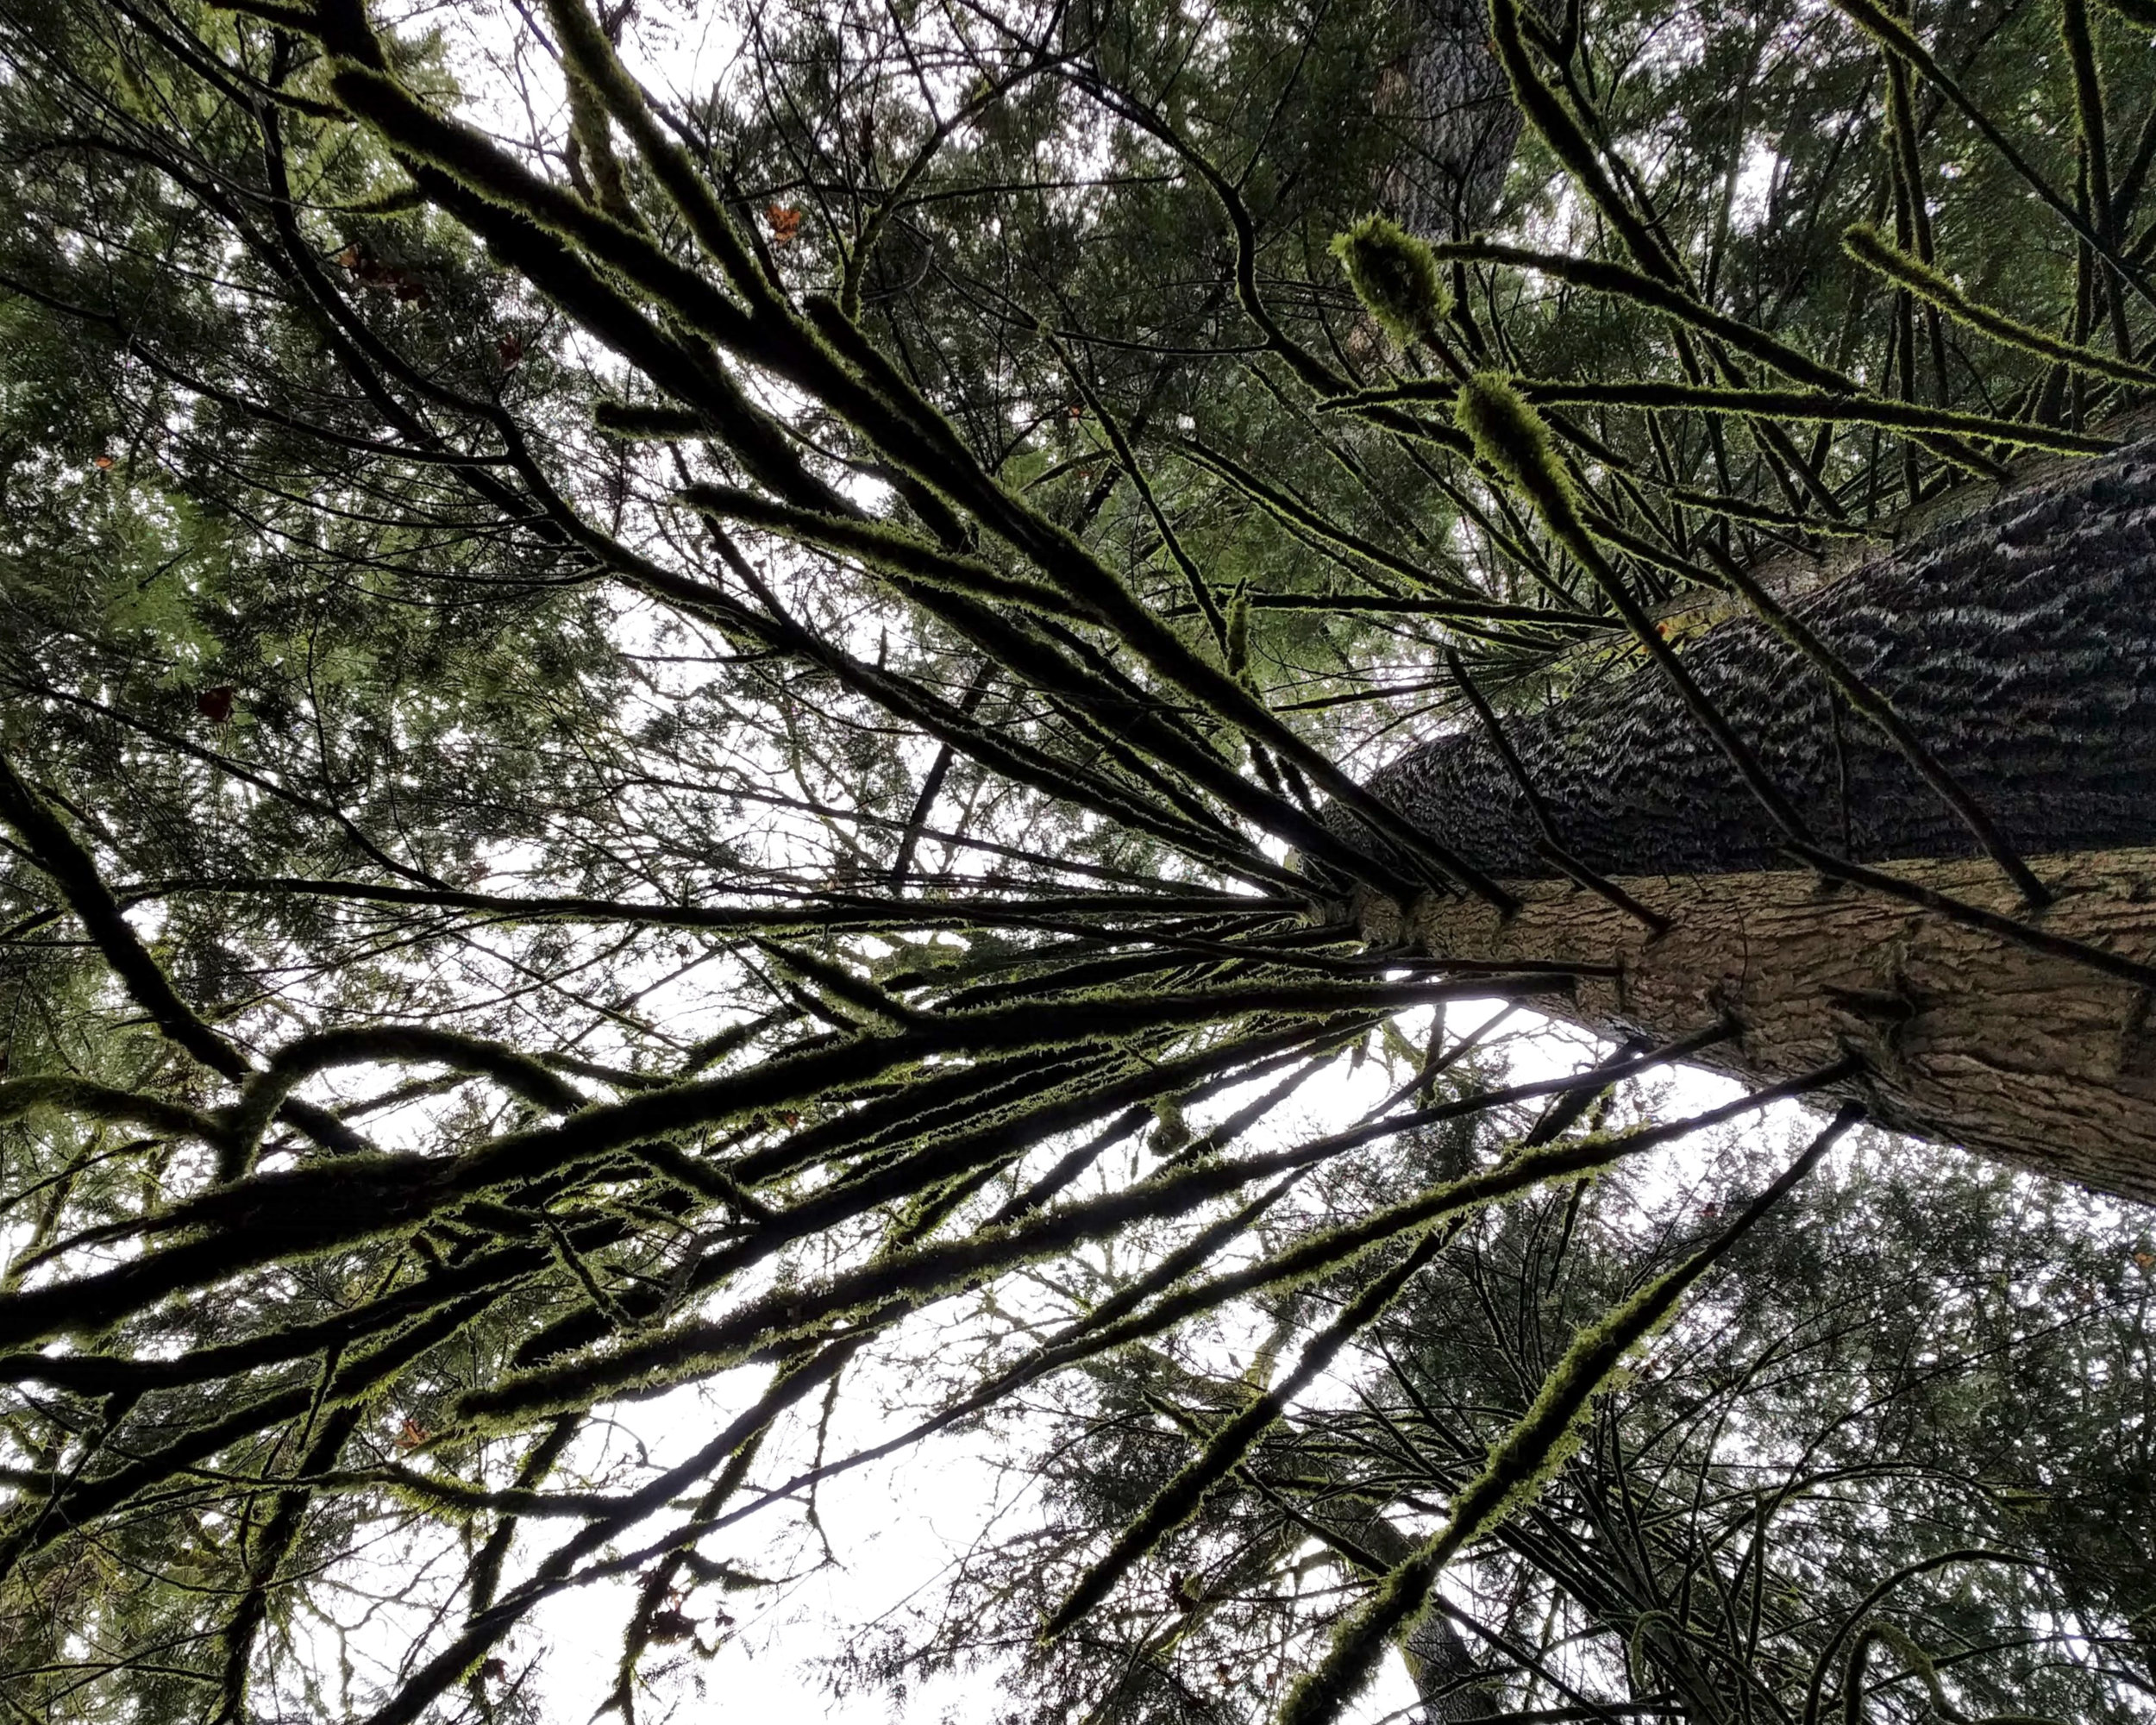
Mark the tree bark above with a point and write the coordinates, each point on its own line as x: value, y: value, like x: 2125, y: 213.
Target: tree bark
x: 2018, y: 638
x: 1453, y: 106
x: 1449, y: 1682
x: 1965, y: 1038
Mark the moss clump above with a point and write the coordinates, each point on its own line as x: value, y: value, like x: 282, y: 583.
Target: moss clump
x: 1509, y: 435
x: 1395, y: 277
x: 1172, y: 1133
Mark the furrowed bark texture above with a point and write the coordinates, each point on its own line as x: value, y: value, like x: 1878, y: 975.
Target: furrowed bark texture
x: 2019, y: 640
x: 1456, y: 114
x: 1966, y: 1039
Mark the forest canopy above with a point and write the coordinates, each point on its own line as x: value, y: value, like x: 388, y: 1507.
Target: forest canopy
x: 738, y: 736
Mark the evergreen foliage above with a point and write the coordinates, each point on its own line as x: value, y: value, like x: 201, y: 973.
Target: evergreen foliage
x: 709, y: 732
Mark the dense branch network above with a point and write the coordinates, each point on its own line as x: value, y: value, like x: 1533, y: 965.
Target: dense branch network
x: 700, y: 733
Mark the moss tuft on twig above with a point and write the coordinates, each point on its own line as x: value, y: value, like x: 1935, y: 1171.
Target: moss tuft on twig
x: 1396, y: 276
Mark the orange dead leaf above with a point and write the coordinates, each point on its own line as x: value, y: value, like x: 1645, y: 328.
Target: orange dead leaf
x: 101, y: 462
x: 412, y: 1434
x: 785, y: 221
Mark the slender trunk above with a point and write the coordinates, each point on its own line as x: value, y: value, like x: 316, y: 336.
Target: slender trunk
x: 1440, y: 1664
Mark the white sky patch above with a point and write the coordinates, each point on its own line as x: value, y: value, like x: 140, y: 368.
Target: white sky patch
x: 1755, y: 179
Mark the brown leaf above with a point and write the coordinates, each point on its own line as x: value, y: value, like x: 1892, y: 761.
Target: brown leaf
x: 101, y: 462
x: 785, y: 221
x: 510, y: 351
x: 216, y: 705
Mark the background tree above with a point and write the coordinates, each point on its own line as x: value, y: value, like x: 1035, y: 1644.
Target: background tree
x: 1894, y: 1453
x: 659, y: 731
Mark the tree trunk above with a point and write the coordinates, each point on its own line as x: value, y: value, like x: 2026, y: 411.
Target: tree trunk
x: 1453, y: 107
x: 1966, y: 1039
x: 1448, y: 1679
x: 2019, y: 641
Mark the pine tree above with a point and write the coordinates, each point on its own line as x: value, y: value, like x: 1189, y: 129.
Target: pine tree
x: 651, y: 732
x: 1876, y: 1430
